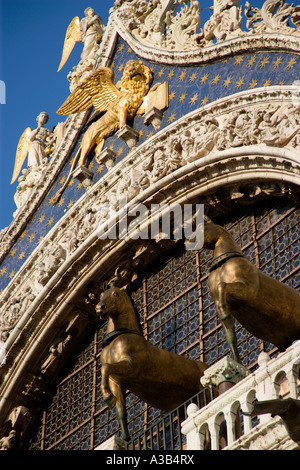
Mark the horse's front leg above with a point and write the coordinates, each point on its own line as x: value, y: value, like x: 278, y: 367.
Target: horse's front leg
x: 119, y: 393
x: 118, y: 369
x: 227, y: 320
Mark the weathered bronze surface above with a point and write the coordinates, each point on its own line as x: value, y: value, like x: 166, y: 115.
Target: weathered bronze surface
x: 160, y: 378
x: 267, y: 308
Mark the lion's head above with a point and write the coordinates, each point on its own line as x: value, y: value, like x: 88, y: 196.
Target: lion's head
x: 137, y: 77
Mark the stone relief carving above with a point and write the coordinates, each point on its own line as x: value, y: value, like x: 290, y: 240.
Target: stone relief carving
x: 54, y: 256
x: 175, y: 25
x: 14, y: 309
x: 225, y: 22
x: 278, y: 126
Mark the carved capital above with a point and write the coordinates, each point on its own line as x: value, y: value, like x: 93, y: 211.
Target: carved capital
x: 225, y: 370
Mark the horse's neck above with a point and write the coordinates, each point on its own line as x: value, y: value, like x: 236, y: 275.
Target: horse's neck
x: 225, y: 245
x: 126, y: 318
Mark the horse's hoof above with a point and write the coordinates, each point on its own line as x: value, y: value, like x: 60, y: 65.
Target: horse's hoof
x: 125, y: 437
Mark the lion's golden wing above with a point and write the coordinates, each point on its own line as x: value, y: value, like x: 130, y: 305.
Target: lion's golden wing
x: 98, y: 90
x: 72, y: 36
x: 21, y: 153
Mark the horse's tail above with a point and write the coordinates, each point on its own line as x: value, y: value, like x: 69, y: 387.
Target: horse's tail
x: 61, y: 190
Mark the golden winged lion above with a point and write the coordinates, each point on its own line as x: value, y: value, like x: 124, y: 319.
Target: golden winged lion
x: 119, y: 104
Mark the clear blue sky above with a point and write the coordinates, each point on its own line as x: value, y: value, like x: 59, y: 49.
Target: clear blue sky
x: 31, y: 40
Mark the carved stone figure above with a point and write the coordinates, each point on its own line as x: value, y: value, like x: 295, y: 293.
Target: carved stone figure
x: 16, y: 427
x: 288, y: 409
x: 225, y: 22
x: 267, y: 308
x: 99, y: 90
x: 55, y: 255
x: 89, y: 31
x: 33, y: 143
x: 160, y: 378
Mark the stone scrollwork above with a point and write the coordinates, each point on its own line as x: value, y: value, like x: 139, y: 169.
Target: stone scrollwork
x: 182, y: 28
x: 174, y: 25
x: 275, y: 15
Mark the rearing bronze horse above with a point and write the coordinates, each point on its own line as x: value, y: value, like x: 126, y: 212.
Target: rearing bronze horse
x: 267, y: 308
x: 160, y: 378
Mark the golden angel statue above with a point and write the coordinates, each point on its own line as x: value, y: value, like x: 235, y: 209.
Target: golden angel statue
x: 118, y: 104
x: 89, y: 31
x: 34, y: 144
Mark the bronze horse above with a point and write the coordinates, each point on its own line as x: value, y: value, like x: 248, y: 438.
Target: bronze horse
x: 267, y: 308
x: 158, y: 377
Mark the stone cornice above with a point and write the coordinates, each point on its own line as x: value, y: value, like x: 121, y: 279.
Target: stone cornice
x: 264, y: 42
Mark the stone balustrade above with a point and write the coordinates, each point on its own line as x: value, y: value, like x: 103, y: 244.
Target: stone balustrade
x: 223, y: 419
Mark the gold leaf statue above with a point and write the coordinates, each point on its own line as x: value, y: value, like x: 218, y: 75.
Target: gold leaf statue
x: 119, y: 104
x: 21, y: 153
x: 72, y: 36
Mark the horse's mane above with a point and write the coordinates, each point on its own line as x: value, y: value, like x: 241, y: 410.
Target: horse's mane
x: 134, y: 309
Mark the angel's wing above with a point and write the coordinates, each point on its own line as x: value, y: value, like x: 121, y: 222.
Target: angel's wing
x: 21, y: 153
x: 72, y: 36
x: 98, y: 90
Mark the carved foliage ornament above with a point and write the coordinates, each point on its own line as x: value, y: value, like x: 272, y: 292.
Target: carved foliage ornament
x: 175, y: 25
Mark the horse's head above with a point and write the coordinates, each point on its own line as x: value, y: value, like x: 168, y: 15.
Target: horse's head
x: 211, y: 235
x: 109, y: 302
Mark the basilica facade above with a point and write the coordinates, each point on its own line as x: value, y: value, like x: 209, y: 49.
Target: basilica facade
x: 164, y: 111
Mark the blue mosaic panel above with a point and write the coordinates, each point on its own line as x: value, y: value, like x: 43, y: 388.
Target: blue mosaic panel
x: 190, y: 88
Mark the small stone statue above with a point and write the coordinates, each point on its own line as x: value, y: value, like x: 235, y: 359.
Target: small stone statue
x: 34, y: 144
